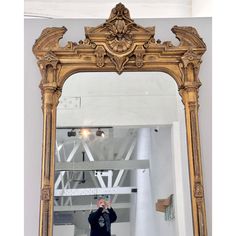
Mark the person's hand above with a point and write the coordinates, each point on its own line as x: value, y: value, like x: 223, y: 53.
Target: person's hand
x: 108, y: 204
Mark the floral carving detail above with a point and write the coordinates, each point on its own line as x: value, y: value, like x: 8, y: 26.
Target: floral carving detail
x: 120, y: 37
x: 119, y: 27
x: 87, y: 42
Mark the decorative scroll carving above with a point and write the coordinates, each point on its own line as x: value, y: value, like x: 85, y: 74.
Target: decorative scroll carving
x: 86, y: 43
x: 188, y: 36
x: 121, y: 45
x: 49, y: 39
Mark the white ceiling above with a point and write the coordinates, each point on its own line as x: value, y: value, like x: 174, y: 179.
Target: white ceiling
x: 101, y: 8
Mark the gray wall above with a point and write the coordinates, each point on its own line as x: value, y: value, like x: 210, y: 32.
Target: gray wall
x: 33, y: 116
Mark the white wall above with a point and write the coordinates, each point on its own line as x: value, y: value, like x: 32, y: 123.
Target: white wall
x: 63, y: 230
x: 33, y: 116
x: 120, y: 229
x: 151, y: 9
x: 102, y: 9
x: 201, y: 8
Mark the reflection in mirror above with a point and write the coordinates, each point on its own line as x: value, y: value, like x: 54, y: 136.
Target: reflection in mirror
x: 121, y: 159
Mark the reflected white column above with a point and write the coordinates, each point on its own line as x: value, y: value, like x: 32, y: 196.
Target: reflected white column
x: 145, y: 219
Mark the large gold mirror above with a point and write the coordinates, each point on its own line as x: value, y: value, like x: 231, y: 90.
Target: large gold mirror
x: 128, y: 150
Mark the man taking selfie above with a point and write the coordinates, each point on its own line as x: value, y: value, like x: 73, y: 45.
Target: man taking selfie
x: 101, y: 219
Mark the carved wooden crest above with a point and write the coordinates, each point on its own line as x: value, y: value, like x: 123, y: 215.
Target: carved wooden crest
x: 124, y: 44
x: 119, y: 38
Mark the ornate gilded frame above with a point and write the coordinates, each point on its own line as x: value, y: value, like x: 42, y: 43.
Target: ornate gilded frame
x: 120, y: 45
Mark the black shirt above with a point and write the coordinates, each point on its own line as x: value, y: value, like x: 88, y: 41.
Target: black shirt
x: 100, y: 221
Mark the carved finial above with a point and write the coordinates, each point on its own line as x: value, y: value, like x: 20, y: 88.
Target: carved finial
x: 119, y: 11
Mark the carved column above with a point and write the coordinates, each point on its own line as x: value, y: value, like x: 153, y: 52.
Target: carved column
x: 50, y: 97
x: 189, y: 93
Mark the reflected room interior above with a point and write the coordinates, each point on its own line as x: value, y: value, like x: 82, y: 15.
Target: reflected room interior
x: 122, y: 137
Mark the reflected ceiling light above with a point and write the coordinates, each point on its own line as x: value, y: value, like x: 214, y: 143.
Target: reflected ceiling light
x: 100, y: 133
x: 84, y: 133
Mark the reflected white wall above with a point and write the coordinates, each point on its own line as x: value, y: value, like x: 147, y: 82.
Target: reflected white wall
x: 162, y: 177
x: 120, y: 229
x: 109, y: 99
x: 63, y: 230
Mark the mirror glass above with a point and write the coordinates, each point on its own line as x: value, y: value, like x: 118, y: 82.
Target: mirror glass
x: 121, y: 161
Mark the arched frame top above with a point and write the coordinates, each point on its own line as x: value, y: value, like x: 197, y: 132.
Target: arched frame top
x: 120, y: 45
x: 71, y: 72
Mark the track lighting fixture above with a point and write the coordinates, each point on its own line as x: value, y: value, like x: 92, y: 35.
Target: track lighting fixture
x: 100, y: 133
x: 71, y: 133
